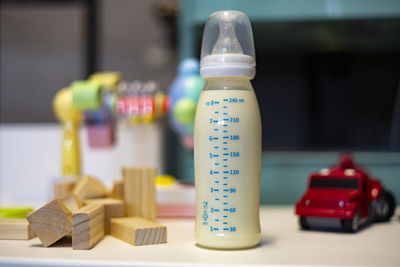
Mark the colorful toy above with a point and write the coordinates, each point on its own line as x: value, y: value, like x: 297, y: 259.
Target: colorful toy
x: 345, y: 192
x: 184, y: 94
x: 70, y: 117
x: 99, y: 102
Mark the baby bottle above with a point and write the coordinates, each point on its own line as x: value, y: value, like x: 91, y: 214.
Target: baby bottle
x: 227, y: 135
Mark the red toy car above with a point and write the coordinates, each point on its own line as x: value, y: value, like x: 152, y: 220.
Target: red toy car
x: 345, y: 192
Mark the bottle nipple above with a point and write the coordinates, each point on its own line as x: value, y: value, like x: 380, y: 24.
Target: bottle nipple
x: 227, y: 42
x: 223, y: 54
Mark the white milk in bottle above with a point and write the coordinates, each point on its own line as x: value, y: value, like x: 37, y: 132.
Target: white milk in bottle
x: 227, y: 137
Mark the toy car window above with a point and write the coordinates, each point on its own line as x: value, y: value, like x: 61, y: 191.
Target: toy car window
x: 338, y: 183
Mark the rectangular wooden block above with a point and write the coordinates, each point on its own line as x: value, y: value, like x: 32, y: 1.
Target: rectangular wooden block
x: 139, y: 192
x: 118, y: 189
x: 138, y: 231
x: 90, y: 187
x: 63, y: 188
x: 15, y: 229
x: 113, y: 208
x: 51, y: 222
x: 87, y: 226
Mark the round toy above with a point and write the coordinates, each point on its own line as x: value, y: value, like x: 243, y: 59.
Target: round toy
x: 183, y: 96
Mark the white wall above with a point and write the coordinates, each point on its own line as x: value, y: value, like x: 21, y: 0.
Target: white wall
x: 30, y: 158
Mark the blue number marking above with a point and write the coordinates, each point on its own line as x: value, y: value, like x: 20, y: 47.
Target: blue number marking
x: 234, y: 137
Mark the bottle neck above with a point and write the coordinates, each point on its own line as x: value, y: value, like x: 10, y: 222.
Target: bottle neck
x: 228, y: 83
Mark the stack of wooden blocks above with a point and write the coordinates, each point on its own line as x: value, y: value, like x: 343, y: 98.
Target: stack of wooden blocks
x: 88, y: 210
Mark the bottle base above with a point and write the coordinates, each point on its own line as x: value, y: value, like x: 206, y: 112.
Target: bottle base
x: 228, y: 243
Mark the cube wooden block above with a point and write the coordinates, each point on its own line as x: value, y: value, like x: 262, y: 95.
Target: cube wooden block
x: 139, y: 192
x: 15, y: 229
x: 113, y: 208
x: 51, y: 222
x: 63, y: 188
x: 87, y: 226
x: 72, y: 202
x: 138, y: 231
x: 118, y: 189
x: 90, y: 187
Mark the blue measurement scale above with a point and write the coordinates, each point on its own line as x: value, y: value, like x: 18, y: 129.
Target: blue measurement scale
x: 220, y: 209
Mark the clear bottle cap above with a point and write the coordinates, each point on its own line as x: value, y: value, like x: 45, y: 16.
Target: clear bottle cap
x: 228, y: 48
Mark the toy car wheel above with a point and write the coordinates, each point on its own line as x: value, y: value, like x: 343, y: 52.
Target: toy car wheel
x: 385, y: 206
x: 352, y: 225
x: 303, y: 223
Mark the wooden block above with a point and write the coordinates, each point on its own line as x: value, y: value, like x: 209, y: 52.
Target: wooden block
x: 139, y: 192
x: 138, y: 231
x: 63, y: 188
x: 16, y: 229
x: 113, y: 208
x: 72, y: 202
x: 87, y: 226
x: 118, y: 189
x: 51, y: 222
x: 89, y: 187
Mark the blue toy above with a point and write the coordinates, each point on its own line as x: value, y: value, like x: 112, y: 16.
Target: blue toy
x: 184, y: 94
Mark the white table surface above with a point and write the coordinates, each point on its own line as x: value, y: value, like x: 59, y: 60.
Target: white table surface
x: 282, y: 244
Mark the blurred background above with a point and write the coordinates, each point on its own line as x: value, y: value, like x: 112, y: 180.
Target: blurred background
x: 328, y: 80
